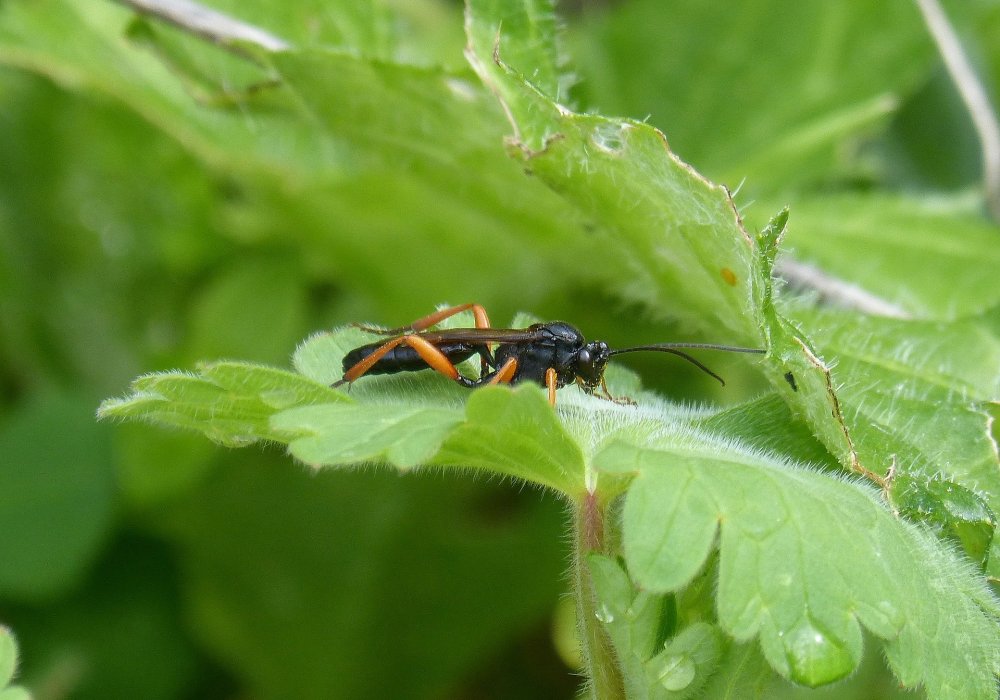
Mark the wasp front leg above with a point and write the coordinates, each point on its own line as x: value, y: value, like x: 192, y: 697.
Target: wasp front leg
x: 605, y: 394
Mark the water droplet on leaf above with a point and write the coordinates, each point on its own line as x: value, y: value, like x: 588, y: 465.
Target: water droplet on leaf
x: 815, y: 657
x: 676, y: 672
x: 604, y: 614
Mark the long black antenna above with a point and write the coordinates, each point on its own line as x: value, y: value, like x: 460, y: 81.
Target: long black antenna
x: 672, y: 348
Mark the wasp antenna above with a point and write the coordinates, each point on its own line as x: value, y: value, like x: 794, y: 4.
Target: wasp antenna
x: 691, y: 346
x: 674, y: 349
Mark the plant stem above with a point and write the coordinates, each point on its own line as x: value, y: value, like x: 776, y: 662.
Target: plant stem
x: 600, y: 662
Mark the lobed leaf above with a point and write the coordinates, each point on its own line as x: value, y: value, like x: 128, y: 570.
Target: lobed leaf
x: 229, y: 402
x: 671, y: 235
x: 777, y: 526
x: 777, y: 581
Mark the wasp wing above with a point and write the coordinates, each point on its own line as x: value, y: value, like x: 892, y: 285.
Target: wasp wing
x: 482, y: 335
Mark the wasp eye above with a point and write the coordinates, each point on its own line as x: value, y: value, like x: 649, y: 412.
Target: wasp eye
x: 583, y: 357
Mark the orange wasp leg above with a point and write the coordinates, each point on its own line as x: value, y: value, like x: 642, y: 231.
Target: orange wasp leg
x: 604, y: 394
x: 505, y: 373
x: 550, y: 383
x: 482, y: 320
x: 620, y: 400
x: 434, y: 358
x: 422, y: 324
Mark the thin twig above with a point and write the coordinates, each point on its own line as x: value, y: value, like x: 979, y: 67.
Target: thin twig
x: 210, y: 24
x: 971, y: 89
x: 835, y: 291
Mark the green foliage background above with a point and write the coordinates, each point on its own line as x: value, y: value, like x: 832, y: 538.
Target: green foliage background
x: 161, y: 203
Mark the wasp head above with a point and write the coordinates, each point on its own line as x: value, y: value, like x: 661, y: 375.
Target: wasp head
x: 591, y: 360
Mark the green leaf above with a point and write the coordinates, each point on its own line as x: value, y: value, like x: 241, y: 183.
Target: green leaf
x: 918, y: 406
x: 951, y: 510
x: 686, y: 247
x: 525, y: 34
x: 675, y: 668
x: 767, y: 423
x: 810, y: 632
x: 402, y: 109
x: 121, y: 634
x: 53, y: 40
x: 344, y: 562
x: 8, y: 666
x: 684, y: 238
x: 511, y: 433
x: 8, y: 656
x: 336, y: 434
x: 894, y: 247
x: 718, y: 81
x: 806, y: 609
x: 310, y: 165
x: 56, y: 496
x: 412, y: 135
x: 254, y: 310
x: 15, y: 693
x: 516, y: 433
x: 682, y: 665
x: 229, y: 402
x: 895, y: 401
x: 776, y: 527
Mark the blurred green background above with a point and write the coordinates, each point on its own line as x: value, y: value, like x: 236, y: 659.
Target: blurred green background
x: 161, y: 204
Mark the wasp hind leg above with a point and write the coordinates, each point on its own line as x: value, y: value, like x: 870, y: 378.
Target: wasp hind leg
x: 502, y: 375
x: 422, y: 324
x: 430, y: 354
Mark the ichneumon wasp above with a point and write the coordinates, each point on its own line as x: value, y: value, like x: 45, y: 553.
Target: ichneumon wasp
x: 552, y: 354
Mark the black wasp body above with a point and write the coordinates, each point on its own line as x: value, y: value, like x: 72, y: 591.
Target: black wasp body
x: 559, y: 347
x: 405, y: 358
x: 551, y: 354
x: 535, y: 350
